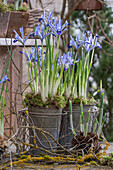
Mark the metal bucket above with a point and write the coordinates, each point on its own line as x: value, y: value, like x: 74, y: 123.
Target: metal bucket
x: 65, y: 125
x: 76, y: 115
x: 49, y: 120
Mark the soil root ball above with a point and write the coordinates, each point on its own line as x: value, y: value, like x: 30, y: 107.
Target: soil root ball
x: 85, y: 143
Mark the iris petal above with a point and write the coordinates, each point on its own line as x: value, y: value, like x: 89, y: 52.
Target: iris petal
x: 57, y: 27
x: 18, y: 38
x: 22, y: 32
x: 4, y: 79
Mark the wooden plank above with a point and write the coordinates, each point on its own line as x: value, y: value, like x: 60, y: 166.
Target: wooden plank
x: 29, y: 42
x: 12, y: 20
x: 15, y: 88
x: 17, y: 20
x: 13, y: 99
x: 4, y: 20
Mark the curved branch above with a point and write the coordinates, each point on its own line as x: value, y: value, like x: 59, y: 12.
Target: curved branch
x: 111, y: 42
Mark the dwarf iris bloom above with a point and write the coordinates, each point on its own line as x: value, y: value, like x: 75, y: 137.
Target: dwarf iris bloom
x: 18, y: 38
x: 4, y: 79
x: 31, y: 57
x: 43, y: 18
x: 58, y: 28
x: 76, y: 44
x: 40, y: 51
x: 97, y: 43
x: 91, y: 42
x: 65, y: 60
x: 38, y: 34
x: 40, y: 60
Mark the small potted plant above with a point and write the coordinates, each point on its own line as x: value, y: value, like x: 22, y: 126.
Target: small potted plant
x: 86, y: 140
x: 45, y: 72
x: 76, y: 81
x: 12, y: 17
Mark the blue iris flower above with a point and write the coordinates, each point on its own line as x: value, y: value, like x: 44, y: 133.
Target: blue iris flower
x: 66, y: 60
x: 90, y: 42
x: 40, y: 59
x: 42, y: 18
x: 18, y: 38
x: 38, y: 34
x: 88, y: 32
x: 40, y: 51
x: 49, y: 17
x: 72, y: 42
x: 53, y: 20
x: 31, y: 57
x: 58, y: 28
x: 97, y: 43
x: 4, y: 79
x: 77, y: 44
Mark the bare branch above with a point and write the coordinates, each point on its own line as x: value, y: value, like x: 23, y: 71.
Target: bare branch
x: 71, y: 11
x: 41, y: 4
x: 111, y: 42
x: 63, y: 9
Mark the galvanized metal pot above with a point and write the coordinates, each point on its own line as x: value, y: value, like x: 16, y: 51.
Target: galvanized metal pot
x: 65, y: 125
x: 47, y: 119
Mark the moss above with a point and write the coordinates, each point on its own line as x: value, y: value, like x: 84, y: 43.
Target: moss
x: 80, y: 163
x: 23, y: 156
x: 6, y: 8
x: 111, y: 154
x: 47, y: 158
x: 85, y: 158
x: 36, y: 100
x: 3, y: 7
x: 88, y: 101
x: 107, y: 158
x: 93, y: 163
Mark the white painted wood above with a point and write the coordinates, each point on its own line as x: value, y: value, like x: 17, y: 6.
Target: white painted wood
x: 28, y: 43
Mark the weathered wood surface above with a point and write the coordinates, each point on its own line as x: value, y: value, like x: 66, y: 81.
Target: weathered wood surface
x: 13, y: 99
x: 4, y: 20
x: 12, y: 20
x: 88, y: 5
